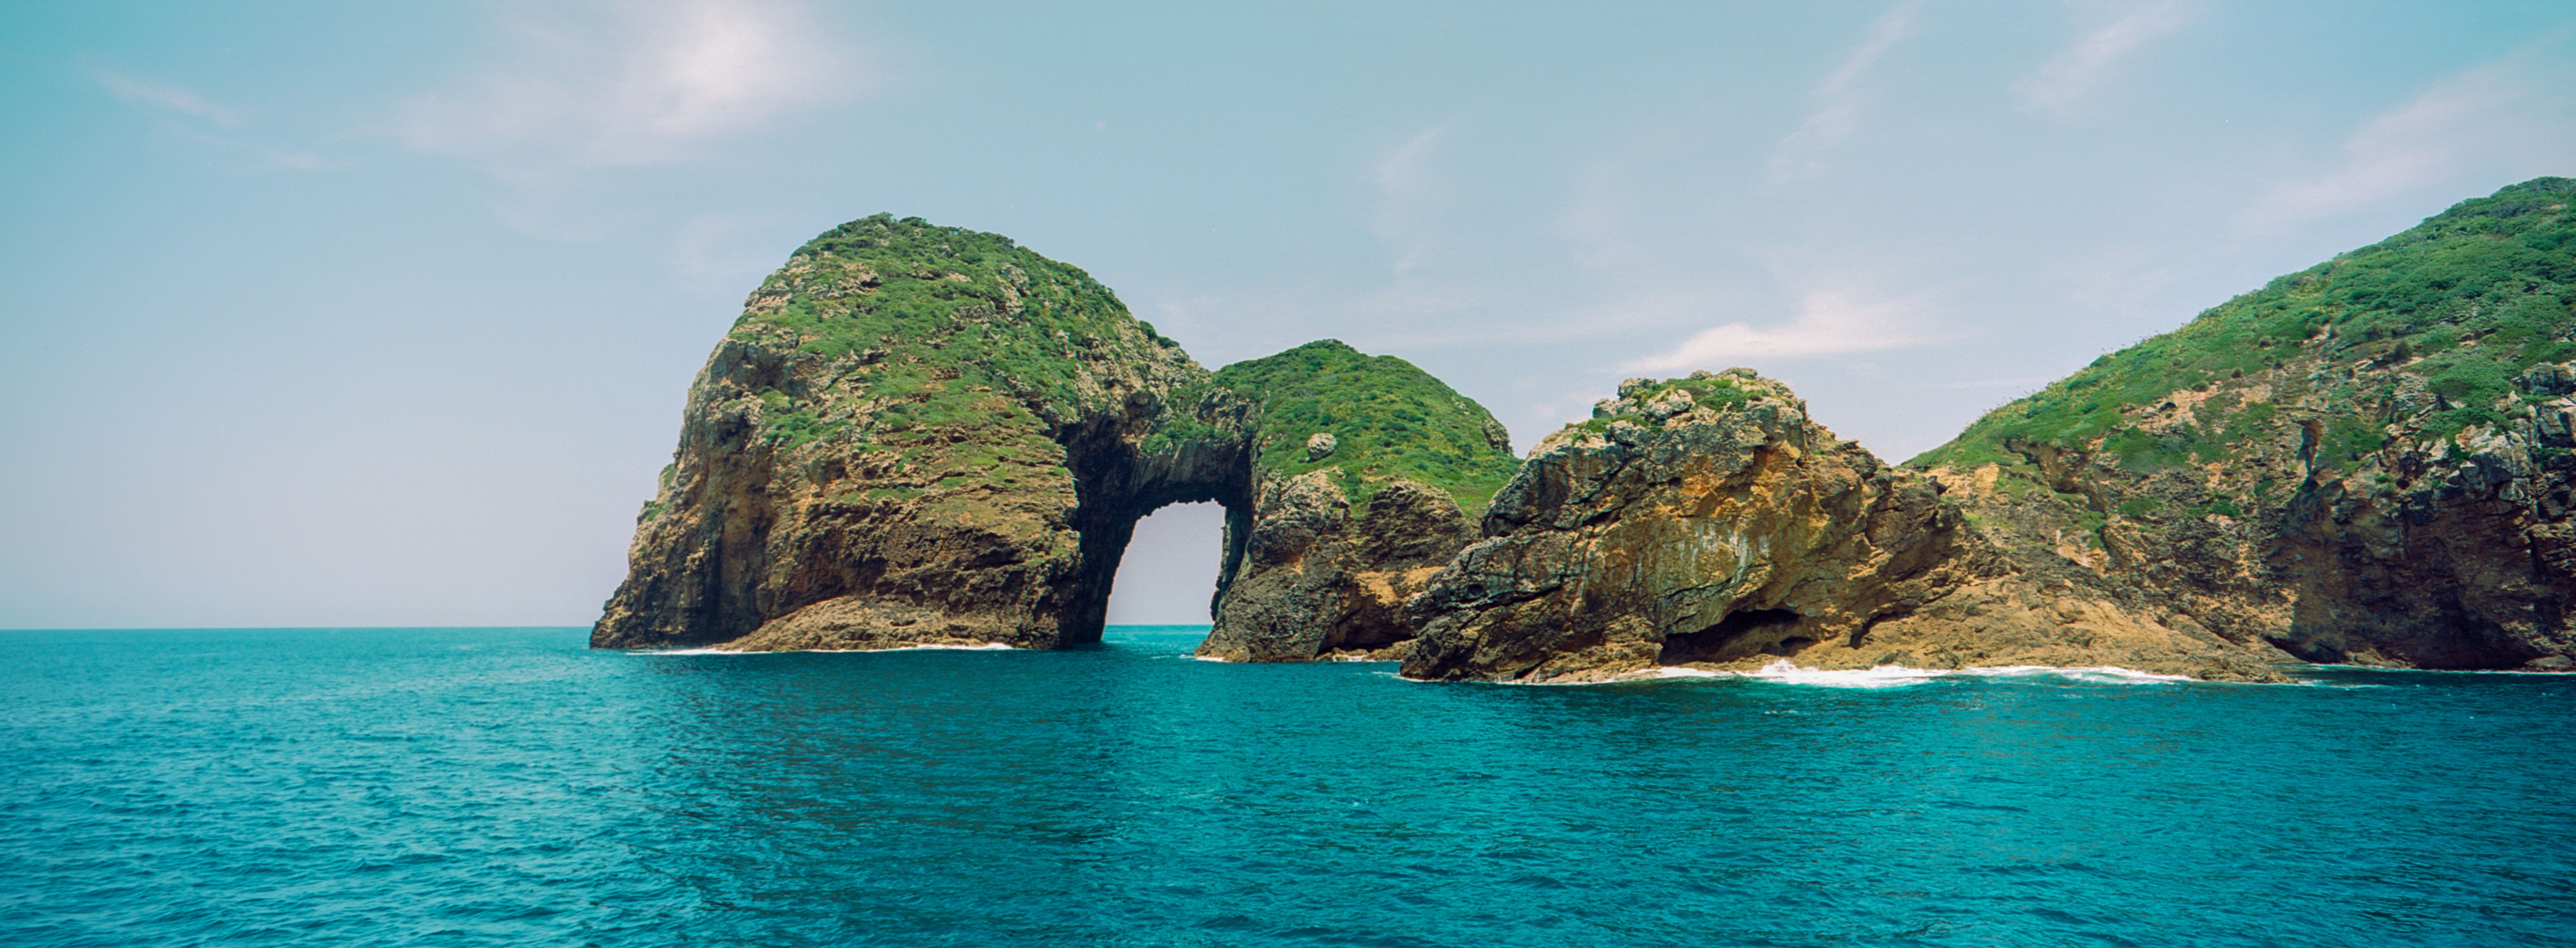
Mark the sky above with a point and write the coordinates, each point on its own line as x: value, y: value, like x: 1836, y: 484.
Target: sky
x: 324, y: 314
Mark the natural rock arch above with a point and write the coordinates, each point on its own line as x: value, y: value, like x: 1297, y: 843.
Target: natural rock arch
x: 925, y: 435
x: 1118, y: 486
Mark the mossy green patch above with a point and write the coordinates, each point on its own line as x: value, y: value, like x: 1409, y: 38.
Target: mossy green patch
x: 945, y: 341
x: 1707, y: 389
x: 1388, y: 418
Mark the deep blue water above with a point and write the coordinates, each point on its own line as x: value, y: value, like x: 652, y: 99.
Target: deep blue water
x: 478, y: 786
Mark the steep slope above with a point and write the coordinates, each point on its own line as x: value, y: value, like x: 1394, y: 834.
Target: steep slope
x: 2368, y: 460
x: 1369, y: 471
x: 919, y: 434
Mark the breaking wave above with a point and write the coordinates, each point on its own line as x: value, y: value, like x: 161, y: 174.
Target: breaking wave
x: 978, y: 647
x: 1899, y: 676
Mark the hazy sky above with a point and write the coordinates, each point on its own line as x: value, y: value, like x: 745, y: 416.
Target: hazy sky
x: 382, y: 314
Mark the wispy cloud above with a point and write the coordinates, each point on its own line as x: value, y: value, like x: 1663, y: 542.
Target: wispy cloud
x: 2515, y: 116
x: 1405, y: 183
x: 1829, y: 322
x: 165, y: 96
x: 189, y: 115
x: 1839, y: 98
x: 721, y: 249
x: 1406, y: 169
x: 2059, y: 85
x: 629, y: 83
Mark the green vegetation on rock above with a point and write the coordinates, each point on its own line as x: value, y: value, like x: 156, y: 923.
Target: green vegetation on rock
x: 929, y: 332
x: 1713, y: 390
x: 2364, y: 460
x: 1388, y: 419
x: 2463, y: 302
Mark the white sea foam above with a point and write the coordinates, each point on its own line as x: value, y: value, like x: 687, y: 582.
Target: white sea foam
x: 921, y: 647
x: 2095, y: 674
x: 1675, y: 671
x: 918, y: 647
x: 1786, y: 672
x: 1883, y: 676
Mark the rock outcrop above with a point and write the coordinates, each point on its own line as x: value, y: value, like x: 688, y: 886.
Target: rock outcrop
x: 1708, y: 523
x: 920, y: 435
x: 1371, y: 472
x: 1320, y: 579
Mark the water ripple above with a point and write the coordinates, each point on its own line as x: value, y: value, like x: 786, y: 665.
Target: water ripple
x: 475, y: 787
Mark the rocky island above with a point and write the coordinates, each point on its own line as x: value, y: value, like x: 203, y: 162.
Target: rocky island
x: 920, y: 435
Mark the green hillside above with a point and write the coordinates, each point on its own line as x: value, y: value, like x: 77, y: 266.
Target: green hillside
x: 2465, y: 301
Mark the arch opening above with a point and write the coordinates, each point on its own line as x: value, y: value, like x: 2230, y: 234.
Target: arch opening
x: 1168, y: 574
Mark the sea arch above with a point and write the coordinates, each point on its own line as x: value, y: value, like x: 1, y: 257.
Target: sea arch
x: 918, y: 435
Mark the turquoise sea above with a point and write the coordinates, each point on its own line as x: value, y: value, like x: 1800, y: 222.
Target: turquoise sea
x: 509, y: 787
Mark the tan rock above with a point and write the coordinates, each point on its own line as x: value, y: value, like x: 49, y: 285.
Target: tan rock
x: 1732, y: 532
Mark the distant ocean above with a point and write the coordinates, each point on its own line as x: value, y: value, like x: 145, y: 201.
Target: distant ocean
x: 509, y: 787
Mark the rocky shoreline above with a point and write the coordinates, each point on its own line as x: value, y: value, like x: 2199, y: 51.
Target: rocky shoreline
x: 926, y: 436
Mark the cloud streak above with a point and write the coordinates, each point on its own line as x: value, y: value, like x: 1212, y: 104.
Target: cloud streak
x: 1405, y: 182
x: 1829, y: 322
x: 203, y: 120
x: 629, y: 84
x: 165, y: 96
x: 1839, y: 99
x: 2517, y: 114
x: 2060, y: 84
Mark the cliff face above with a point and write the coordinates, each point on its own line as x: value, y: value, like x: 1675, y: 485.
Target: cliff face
x: 1708, y: 523
x: 1319, y: 578
x: 918, y: 434
x: 2366, y: 461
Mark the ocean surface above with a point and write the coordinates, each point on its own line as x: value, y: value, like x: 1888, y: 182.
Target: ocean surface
x: 510, y: 787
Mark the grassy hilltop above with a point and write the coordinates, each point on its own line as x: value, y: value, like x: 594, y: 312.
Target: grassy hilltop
x: 1390, y: 420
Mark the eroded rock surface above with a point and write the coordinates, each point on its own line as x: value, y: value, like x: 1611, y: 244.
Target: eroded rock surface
x: 1319, y: 578
x: 1707, y: 522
